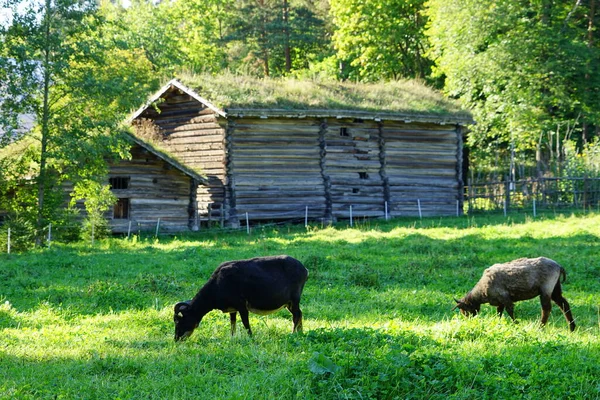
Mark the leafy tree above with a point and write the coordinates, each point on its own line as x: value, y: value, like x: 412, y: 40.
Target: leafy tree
x: 98, y: 200
x: 524, y: 68
x: 78, y: 86
x: 275, y: 37
x: 172, y: 35
x: 381, y: 39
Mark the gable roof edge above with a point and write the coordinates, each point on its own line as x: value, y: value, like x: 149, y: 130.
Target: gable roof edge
x: 183, y: 88
x: 187, y: 171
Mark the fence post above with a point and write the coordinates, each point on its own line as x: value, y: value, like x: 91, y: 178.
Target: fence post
x: 247, y: 224
x: 534, y: 210
x: 419, y: 205
x: 8, y: 244
x: 157, y: 227
x: 49, y: 240
x: 129, y: 230
x: 306, y: 217
x: 506, y: 195
x: 386, y: 211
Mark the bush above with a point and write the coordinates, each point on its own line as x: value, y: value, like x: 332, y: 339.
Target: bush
x: 22, y: 234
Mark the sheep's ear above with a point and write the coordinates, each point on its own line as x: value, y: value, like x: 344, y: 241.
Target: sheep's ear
x: 181, y: 306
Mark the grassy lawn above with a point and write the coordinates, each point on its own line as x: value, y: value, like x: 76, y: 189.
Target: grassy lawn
x: 96, y: 322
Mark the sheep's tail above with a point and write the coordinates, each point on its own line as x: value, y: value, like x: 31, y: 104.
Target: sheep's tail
x: 563, y: 273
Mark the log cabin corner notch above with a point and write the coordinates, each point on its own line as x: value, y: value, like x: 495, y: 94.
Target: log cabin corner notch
x: 275, y: 160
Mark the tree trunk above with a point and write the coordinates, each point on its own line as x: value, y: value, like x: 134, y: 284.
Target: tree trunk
x: 44, y: 126
x: 590, y: 44
x: 286, y: 34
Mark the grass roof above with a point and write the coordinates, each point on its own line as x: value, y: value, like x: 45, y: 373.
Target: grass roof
x: 229, y: 91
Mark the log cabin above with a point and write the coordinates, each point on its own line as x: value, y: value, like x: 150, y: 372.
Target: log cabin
x: 268, y: 150
x: 153, y: 189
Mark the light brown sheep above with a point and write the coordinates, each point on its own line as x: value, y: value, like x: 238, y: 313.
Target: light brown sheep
x: 504, y: 284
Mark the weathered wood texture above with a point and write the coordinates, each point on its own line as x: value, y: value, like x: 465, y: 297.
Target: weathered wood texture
x: 281, y: 166
x: 192, y: 133
x: 353, y: 165
x: 422, y: 163
x: 273, y: 168
x: 155, y: 190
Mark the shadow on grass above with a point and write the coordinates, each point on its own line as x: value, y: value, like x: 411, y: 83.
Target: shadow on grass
x: 409, y: 275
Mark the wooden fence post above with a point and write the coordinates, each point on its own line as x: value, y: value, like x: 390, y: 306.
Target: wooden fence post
x: 49, y: 240
x: 306, y: 217
x: 506, y: 195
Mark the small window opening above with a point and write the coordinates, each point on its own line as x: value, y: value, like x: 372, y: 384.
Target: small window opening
x: 121, y: 209
x: 355, y: 190
x: 359, y: 120
x: 119, y: 182
x: 363, y: 175
x: 344, y: 132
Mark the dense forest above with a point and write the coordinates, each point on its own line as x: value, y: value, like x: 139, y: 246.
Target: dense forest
x: 526, y: 70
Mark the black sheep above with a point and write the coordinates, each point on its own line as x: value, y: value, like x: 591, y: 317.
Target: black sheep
x: 261, y: 285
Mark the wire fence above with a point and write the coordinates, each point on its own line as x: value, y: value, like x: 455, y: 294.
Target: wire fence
x: 534, y: 194
x: 530, y: 195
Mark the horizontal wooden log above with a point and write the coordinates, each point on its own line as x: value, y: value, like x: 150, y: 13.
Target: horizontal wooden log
x: 279, y: 141
x: 238, y: 122
x: 291, y: 195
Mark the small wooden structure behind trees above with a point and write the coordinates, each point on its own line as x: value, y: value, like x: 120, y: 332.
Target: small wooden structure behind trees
x: 290, y: 158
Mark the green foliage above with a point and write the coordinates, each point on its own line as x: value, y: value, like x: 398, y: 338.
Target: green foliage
x: 66, y: 72
x: 523, y: 68
x: 381, y: 39
x: 98, y: 199
x: 22, y: 234
x: 275, y: 37
x: 101, y: 317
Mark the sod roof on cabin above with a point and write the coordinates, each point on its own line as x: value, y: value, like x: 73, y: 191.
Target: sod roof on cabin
x: 241, y: 94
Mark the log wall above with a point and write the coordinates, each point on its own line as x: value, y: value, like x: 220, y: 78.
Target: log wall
x: 422, y: 163
x: 155, y: 190
x: 279, y: 166
x: 353, y: 166
x: 273, y: 168
x: 192, y: 133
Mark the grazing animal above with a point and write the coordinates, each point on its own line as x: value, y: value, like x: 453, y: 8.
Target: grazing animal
x: 261, y: 285
x: 503, y: 284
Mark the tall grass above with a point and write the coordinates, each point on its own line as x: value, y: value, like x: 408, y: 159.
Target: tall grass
x: 96, y: 322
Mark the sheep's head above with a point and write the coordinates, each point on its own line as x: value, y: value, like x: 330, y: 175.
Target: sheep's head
x: 466, y: 307
x: 185, y: 323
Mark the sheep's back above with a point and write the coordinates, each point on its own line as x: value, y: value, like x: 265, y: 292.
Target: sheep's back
x: 520, y: 279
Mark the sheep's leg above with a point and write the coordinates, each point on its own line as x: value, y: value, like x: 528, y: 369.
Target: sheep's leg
x: 500, y: 309
x: 232, y: 319
x: 564, y: 306
x: 546, y: 308
x: 296, y: 315
x: 245, y: 320
x: 510, y: 309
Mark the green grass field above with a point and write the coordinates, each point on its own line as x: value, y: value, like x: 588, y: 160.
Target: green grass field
x: 96, y: 322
